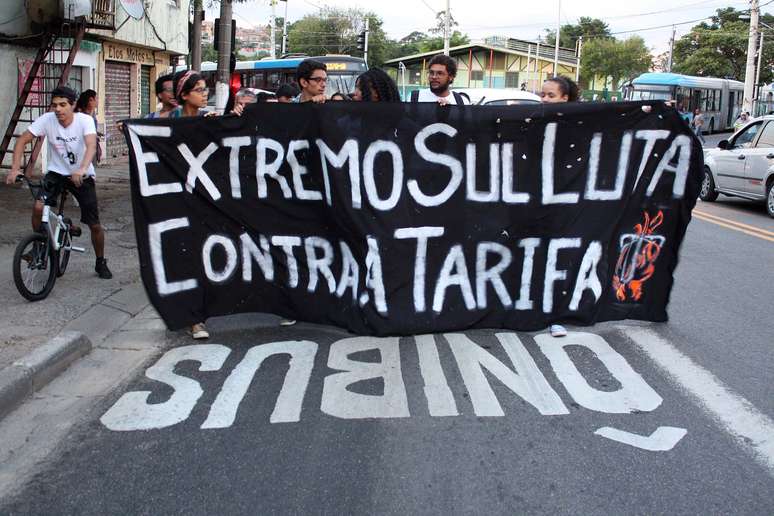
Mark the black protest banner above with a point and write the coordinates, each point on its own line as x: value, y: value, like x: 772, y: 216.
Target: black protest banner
x: 414, y: 218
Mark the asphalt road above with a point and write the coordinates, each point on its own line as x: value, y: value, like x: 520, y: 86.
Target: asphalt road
x: 619, y: 418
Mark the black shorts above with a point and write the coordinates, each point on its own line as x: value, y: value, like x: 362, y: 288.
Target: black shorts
x: 86, y: 195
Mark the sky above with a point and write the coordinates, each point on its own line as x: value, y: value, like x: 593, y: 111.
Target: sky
x: 513, y: 18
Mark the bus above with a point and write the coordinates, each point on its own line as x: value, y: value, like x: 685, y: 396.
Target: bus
x: 719, y: 99
x: 269, y: 74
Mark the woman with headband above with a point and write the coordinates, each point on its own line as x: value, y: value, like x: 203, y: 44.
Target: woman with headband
x: 555, y: 90
x: 191, y: 93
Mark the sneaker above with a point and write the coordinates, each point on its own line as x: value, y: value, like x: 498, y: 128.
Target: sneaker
x: 102, y: 269
x: 557, y: 330
x: 287, y: 322
x: 199, y: 331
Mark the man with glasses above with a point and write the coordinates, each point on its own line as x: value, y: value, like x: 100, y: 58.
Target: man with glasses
x: 311, y: 76
x: 440, y: 75
x: 166, y: 95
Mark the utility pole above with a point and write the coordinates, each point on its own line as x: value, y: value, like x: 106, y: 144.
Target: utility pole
x: 273, y: 49
x: 577, y: 68
x: 749, y: 75
x: 196, y: 39
x: 446, y: 30
x: 558, y: 33
x: 365, y: 46
x: 285, y: 30
x: 671, y: 50
x: 758, y: 69
x: 224, y: 56
x: 538, y: 68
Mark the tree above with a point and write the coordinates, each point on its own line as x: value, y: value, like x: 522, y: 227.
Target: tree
x: 440, y: 23
x: 335, y: 31
x: 589, y: 28
x: 419, y: 42
x: 619, y: 60
x: 719, y: 48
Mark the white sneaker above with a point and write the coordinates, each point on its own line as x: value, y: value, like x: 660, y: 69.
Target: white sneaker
x: 287, y: 322
x: 557, y: 330
x: 199, y: 331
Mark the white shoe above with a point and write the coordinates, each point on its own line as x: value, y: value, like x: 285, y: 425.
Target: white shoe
x: 557, y: 330
x: 199, y: 331
x: 287, y: 322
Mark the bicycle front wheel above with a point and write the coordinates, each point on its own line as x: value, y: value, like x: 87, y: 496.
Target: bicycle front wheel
x: 34, y: 267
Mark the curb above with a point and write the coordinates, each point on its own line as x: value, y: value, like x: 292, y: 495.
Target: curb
x: 33, y: 371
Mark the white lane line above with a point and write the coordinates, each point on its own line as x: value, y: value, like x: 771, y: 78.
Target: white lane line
x: 753, y: 430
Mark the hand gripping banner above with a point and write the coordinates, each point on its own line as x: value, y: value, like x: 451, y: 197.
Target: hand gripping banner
x: 397, y: 219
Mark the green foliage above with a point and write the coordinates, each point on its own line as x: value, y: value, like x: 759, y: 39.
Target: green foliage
x: 620, y: 60
x: 719, y: 48
x: 335, y: 30
x: 209, y: 52
x: 589, y: 28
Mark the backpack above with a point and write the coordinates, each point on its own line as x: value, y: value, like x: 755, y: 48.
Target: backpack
x: 457, y: 97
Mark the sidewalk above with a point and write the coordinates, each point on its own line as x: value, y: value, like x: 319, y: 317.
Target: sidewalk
x: 80, y: 301
x: 25, y: 324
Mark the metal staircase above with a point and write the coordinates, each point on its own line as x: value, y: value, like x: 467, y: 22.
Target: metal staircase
x: 50, y: 69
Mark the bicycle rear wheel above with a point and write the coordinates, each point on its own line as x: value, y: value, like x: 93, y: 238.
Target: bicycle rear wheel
x: 34, y: 267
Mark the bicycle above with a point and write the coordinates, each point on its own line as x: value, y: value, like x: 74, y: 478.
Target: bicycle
x: 42, y: 256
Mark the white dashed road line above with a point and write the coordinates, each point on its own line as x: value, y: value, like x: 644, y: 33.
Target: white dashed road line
x: 752, y: 429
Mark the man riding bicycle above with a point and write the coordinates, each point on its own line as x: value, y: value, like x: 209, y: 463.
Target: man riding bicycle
x: 72, y: 142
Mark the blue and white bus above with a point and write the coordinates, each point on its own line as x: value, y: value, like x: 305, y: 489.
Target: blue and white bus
x: 269, y: 74
x: 719, y: 99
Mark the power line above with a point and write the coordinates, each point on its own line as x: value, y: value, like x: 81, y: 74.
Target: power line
x: 430, y: 7
x: 550, y: 23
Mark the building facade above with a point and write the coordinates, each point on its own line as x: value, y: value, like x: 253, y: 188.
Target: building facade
x: 492, y: 63
x: 121, y: 63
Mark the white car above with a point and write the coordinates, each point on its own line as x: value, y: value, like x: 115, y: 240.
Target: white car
x: 743, y: 165
x: 498, y: 96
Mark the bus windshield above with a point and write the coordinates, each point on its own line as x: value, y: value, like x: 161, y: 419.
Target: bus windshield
x: 340, y: 82
x: 638, y: 94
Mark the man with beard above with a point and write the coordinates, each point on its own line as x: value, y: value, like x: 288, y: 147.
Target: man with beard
x: 440, y: 75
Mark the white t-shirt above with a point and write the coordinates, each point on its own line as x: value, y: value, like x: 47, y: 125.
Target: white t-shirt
x: 66, y: 145
x: 426, y: 95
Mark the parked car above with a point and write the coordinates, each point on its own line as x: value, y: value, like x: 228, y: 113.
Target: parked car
x: 743, y: 165
x: 498, y: 96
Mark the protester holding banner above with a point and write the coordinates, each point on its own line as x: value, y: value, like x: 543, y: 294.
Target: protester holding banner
x: 191, y: 93
x: 559, y: 89
x: 440, y: 74
x: 375, y: 86
x: 312, y: 76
